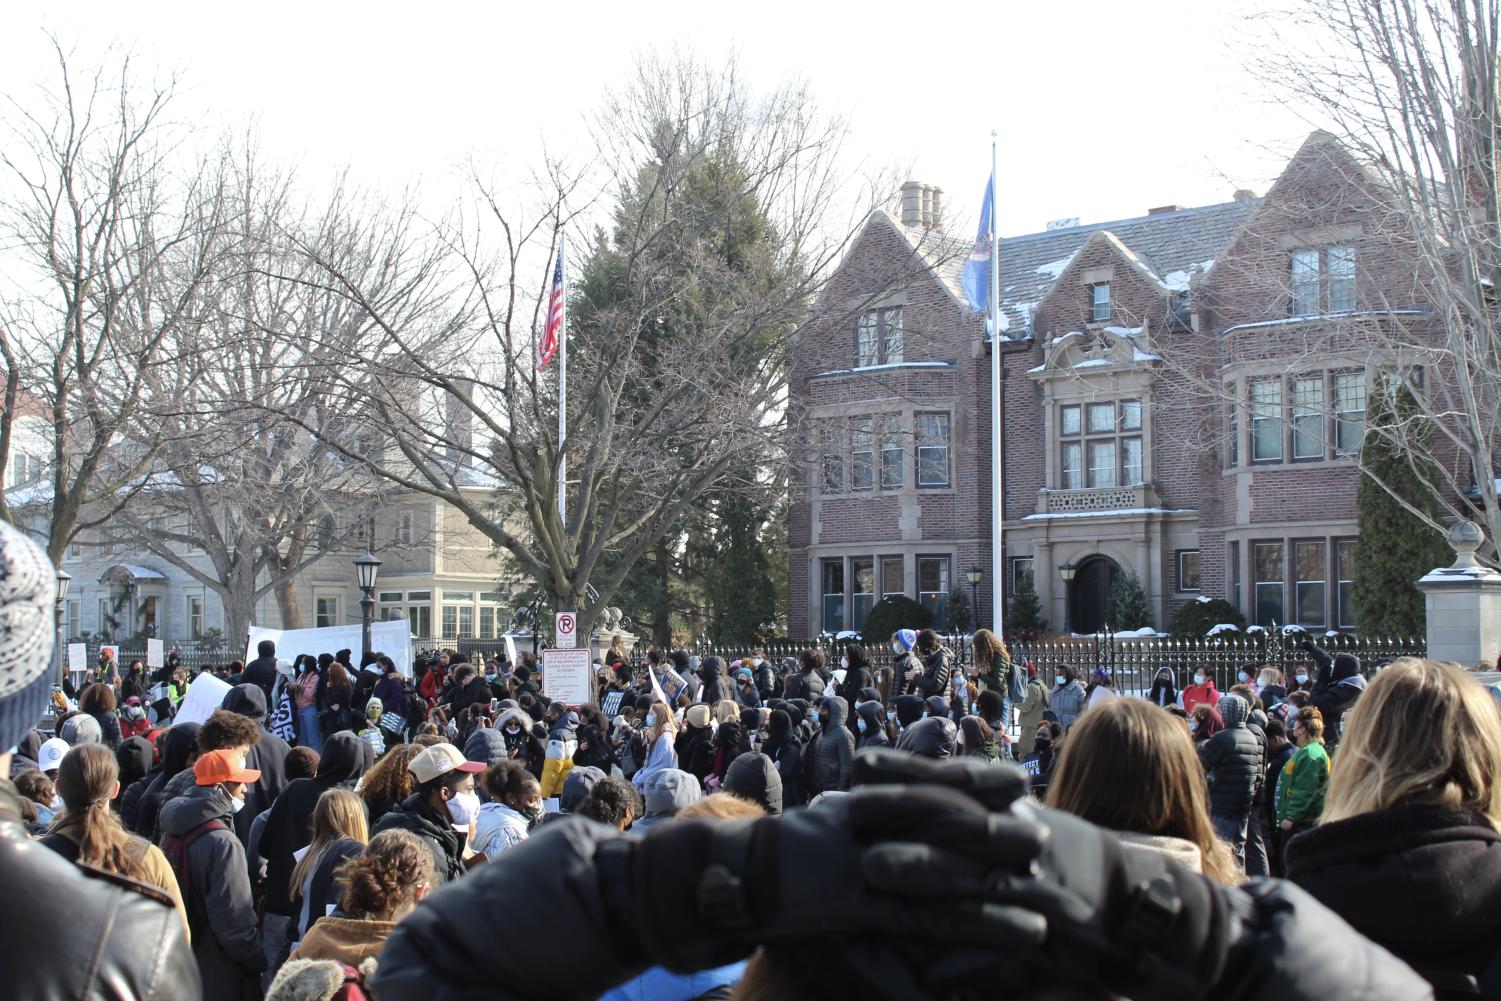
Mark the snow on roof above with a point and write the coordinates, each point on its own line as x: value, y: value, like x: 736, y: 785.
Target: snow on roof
x: 1178, y: 281
x: 1054, y: 269
x: 1222, y: 627
x: 139, y: 572
x: 883, y: 368
x: 1116, y: 513
x: 1348, y: 314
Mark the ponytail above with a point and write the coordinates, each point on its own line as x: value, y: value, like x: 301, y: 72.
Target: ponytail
x: 85, y: 779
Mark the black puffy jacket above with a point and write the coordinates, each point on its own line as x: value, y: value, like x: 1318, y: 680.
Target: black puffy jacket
x: 934, y: 677
x: 1233, y: 761
x: 806, y: 685
x: 833, y: 750
x: 1339, y: 685
x: 76, y: 932
x: 415, y: 816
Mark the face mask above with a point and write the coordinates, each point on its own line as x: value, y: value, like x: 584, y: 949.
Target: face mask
x: 463, y: 808
x: 1243, y: 676
x: 1302, y: 679
x: 490, y: 677
x: 1193, y: 728
x: 1199, y: 679
x: 844, y: 663
x: 651, y: 719
x: 1044, y: 740
x: 513, y: 730
x: 896, y: 648
x: 974, y: 709
x: 924, y: 714
x: 860, y: 724
x: 236, y: 804
x: 1060, y: 679
x: 1292, y: 714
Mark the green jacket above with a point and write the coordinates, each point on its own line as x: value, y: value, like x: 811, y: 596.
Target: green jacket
x: 995, y: 677
x: 1301, y: 786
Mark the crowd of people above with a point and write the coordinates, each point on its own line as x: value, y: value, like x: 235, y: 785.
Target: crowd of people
x: 750, y: 829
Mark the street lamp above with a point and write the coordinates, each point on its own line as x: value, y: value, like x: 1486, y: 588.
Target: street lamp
x: 1066, y: 571
x: 366, y: 568
x: 973, y: 574
x: 63, y: 579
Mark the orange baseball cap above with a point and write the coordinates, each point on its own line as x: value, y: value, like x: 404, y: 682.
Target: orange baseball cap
x: 222, y: 766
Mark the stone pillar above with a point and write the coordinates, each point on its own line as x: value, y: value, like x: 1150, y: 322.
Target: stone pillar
x: 1463, y: 604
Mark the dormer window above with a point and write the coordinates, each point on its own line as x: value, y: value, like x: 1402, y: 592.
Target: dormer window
x: 878, y: 337
x: 1099, y: 301
x: 1322, y: 280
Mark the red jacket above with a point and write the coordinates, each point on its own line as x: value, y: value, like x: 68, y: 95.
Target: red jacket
x: 1195, y: 694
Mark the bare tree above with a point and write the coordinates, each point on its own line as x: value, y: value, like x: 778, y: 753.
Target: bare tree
x: 110, y: 236
x: 676, y: 358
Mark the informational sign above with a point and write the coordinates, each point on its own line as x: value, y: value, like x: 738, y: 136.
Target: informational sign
x: 78, y: 658
x: 156, y: 654
x: 392, y: 637
x: 205, y: 694
x: 565, y: 632
x: 566, y: 677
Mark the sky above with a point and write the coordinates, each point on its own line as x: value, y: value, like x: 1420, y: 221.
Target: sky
x: 1101, y: 110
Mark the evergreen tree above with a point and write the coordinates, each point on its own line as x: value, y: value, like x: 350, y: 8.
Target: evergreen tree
x: 1024, y: 619
x: 1128, y: 607
x: 957, y: 615
x: 738, y: 591
x: 1395, y: 547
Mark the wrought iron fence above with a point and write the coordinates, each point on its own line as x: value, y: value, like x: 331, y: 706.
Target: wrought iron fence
x: 193, y: 653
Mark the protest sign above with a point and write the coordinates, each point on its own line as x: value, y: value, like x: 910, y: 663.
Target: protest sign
x: 566, y: 677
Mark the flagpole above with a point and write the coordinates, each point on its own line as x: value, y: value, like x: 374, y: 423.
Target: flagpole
x: 563, y: 396
x: 997, y: 477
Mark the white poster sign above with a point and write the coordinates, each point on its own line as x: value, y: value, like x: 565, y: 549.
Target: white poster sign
x: 565, y: 677
x: 392, y: 637
x: 156, y: 653
x: 511, y: 651
x: 78, y: 658
x: 565, y: 631
x: 205, y: 694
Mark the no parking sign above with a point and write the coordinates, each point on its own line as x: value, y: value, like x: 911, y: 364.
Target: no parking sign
x: 565, y: 631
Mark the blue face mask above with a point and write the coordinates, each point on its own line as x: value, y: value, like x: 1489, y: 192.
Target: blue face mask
x: 860, y: 723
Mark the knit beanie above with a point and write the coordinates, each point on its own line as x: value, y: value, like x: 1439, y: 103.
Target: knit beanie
x: 907, y: 638
x: 28, y: 594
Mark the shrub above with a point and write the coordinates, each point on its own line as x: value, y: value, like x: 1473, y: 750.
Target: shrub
x: 891, y: 613
x: 1196, y: 618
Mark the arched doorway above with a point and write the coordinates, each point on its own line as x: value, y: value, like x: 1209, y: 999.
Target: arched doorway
x: 1089, y: 593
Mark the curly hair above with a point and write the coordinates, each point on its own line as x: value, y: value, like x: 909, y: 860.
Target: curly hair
x: 507, y: 780
x: 396, y: 864
x: 226, y: 729
x: 389, y: 781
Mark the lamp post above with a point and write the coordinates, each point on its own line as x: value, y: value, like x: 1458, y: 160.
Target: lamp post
x: 973, y: 575
x: 366, y: 568
x: 63, y: 578
x: 1066, y: 571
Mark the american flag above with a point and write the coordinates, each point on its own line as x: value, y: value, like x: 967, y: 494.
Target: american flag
x: 555, y: 328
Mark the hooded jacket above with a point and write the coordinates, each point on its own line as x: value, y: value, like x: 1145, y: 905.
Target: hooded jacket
x: 1034, y: 704
x: 289, y: 825
x: 937, y: 667
x: 833, y: 750
x: 499, y: 827
x: 415, y: 816
x: 909, y: 709
x: 176, y: 746
x: 875, y: 729
x: 1164, y: 690
x: 929, y: 738
x: 269, y: 756
x: 695, y: 749
x: 716, y: 687
x: 486, y: 744
x: 755, y: 777
x: 1067, y: 702
x: 786, y: 752
x: 1339, y: 685
x: 523, y: 745
x: 1233, y: 761
x: 216, y: 893
x: 667, y: 792
x: 134, y: 758
x: 1423, y: 881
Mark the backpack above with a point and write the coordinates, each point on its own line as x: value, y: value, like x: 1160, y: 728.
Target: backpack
x: 176, y: 846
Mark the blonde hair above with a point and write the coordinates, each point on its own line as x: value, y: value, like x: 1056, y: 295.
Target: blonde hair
x: 666, y: 723
x: 1269, y: 676
x: 338, y: 814
x: 1424, y: 732
x: 721, y: 806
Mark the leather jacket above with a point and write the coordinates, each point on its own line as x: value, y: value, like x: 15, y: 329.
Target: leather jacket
x: 78, y: 932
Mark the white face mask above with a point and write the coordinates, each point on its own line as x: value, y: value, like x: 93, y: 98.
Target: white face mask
x: 861, y: 724
x: 1060, y: 679
x: 896, y: 648
x: 463, y: 808
x: 651, y: 719
x: 1292, y: 714
x: 844, y: 663
x: 1199, y: 679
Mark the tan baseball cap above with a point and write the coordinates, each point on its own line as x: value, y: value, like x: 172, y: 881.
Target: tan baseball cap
x: 440, y: 759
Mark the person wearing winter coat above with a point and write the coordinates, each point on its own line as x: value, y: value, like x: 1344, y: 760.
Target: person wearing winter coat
x: 833, y: 750
x: 214, y: 877
x: 726, y: 750
x: 857, y: 676
x: 1033, y: 704
x: 930, y: 738
x: 695, y: 742
x: 1201, y: 692
x: 747, y: 695
x: 441, y: 809
x: 1339, y: 685
x: 667, y: 792
x: 660, y: 730
x: 179, y: 750
x: 1305, y: 778
x: 808, y: 682
x: 522, y: 744
x: 268, y: 756
x: 1039, y: 764
x: 754, y: 778
x: 770, y: 680
x: 1270, y: 687
x: 1232, y: 760
x: 261, y: 672
x: 1164, y: 690
x: 716, y: 685
x: 514, y: 807
x: 785, y: 749
x: 1066, y: 700
x: 1278, y: 751
x: 870, y: 722
x: 977, y: 740
x: 937, y: 666
x: 469, y: 687
x: 1100, y: 688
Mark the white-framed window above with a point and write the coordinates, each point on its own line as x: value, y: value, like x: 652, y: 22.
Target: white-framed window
x: 75, y: 617
x: 1099, y: 302
x: 933, y: 584
x: 193, y: 607
x: 893, y: 453
x: 1341, y: 261
x: 932, y: 450
x: 878, y: 337
x: 1321, y: 279
x: 421, y: 619
x: 1102, y: 454
x: 862, y: 454
x: 1344, y: 573
x: 1308, y: 416
x: 1305, y: 282
x: 1268, y: 563
x: 1188, y: 570
x: 1310, y: 581
x: 862, y: 589
x: 833, y: 595
x: 1349, y: 411
x: 325, y: 611
x: 893, y: 575
x: 489, y: 616
x: 1021, y: 575
x: 1266, y: 420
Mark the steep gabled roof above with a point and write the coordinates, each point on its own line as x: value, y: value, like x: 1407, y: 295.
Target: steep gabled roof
x: 1170, y: 246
